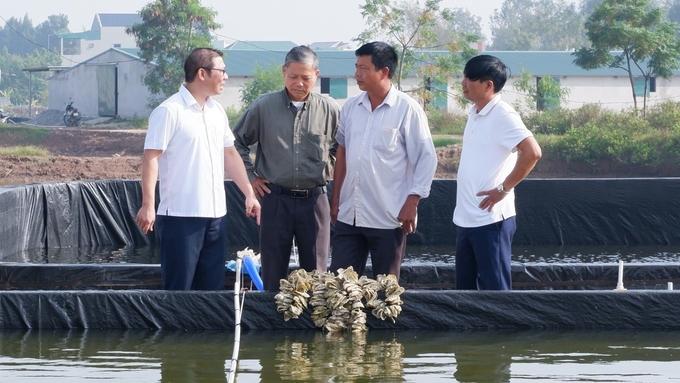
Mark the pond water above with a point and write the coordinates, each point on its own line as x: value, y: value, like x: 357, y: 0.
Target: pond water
x: 414, y: 254
x: 311, y: 356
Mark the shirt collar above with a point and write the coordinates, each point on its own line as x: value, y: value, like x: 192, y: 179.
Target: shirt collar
x: 390, y: 98
x: 189, y: 99
x: 487, y: 108
x: 289, y: 102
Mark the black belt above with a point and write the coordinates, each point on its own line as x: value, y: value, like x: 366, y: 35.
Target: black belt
x: 298, y: 193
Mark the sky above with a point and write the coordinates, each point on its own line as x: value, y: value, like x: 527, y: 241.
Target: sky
x: 300, y: 21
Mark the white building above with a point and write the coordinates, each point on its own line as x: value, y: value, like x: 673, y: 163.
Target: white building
x: 111, y: 82
x: 107, y: 31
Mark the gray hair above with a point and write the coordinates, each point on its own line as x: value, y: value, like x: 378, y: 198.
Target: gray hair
x: 304, y: 55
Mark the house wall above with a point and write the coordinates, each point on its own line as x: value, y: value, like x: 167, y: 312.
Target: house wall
x: 80, y: 85
x: 110, y: 36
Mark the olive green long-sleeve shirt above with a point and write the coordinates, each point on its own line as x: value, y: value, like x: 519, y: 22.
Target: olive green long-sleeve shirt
x: 295, y: 147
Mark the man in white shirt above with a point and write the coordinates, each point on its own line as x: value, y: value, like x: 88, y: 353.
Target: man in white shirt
x: 384, y: 165
x: 498, y: 153
x: 190, y: 144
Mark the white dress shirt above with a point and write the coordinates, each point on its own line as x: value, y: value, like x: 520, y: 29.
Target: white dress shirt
x: 389, y: 155
x: 489, y: 154
x: 191, y: 167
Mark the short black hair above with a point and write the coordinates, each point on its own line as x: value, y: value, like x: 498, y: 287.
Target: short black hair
x: 197, y: 59
x: 383, y: 55
x: 303, y: 55
x: 487, y: 67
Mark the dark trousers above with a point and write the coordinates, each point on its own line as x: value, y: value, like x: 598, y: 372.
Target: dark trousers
x: 351, y: 245
x: 283, y: 218
x: 483, y: 256
x: 193, y: 252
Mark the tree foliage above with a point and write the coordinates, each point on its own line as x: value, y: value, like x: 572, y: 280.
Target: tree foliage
x: 169, y: 31
x: 537, y: 25
x: 411, y: 28
x: 20, y: 37
x: 541, y: 94
x: 263, y: 81
x: 634, y: 36
x: 14, y: 83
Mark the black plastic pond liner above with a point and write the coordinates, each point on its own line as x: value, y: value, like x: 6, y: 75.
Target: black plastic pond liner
x: 568, y: 276
x: 551, y: 212
x: 422, y: 309
x: 625, y: 212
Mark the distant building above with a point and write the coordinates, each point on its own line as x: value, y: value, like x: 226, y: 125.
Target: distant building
x: 111, y: 83
x: 332, y: 46
x: 107, y: 31
x: 261, y: 46
x: 108, y: 84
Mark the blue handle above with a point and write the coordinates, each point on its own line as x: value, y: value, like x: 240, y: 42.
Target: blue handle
x: 252, y: 272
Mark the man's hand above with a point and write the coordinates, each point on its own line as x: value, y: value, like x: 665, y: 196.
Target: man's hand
x: 408, y: 213
x: 253, y: 208
x: 146, y: 216
x: 493, y: 197
x: 260, y: 187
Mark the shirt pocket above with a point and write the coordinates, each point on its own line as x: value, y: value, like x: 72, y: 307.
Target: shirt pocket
x: 314, y: 147
x: 387, y: 139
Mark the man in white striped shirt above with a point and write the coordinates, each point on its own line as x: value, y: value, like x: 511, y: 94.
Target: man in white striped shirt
x: 384, y: 165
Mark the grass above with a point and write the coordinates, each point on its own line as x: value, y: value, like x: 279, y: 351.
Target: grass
x: 24, y: 151
x: 23, y: 135
x: 443, y: 141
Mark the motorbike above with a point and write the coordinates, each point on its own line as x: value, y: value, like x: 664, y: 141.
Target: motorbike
x: 4, y: 117
x: 72, y: 116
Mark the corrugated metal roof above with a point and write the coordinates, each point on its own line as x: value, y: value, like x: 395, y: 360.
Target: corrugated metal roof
x: 87, y: 35
x: 336, y: 63
x: 262, y: 46
x: 119, y: 19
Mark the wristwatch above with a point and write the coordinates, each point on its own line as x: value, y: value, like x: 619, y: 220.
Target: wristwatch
x: 502, y: 190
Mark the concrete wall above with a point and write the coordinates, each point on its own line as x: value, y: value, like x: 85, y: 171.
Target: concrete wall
x: 110, y: 37
x: 80, y: 85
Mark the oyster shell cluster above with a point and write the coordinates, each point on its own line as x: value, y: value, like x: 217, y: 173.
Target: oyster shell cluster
x: 338, y: 300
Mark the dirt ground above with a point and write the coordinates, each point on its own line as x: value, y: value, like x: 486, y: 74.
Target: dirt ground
x: 103, y: 154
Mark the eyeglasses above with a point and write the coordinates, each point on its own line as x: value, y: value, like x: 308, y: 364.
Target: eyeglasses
x: 223, y: 70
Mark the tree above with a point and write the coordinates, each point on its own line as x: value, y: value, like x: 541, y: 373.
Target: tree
x: 462, y: 23
x: 537, y: 25
x: 410, y: 27
x: 15, y: 81
x: 642, y: 40
x: 542, y: 93
x: 55, y: 24
x: 18, y: 36
x: 169, y: 31
x: 263, y: 81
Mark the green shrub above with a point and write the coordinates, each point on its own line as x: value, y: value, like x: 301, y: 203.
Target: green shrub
x: 233, y: 114
x: 440, y: 142
x: 554, y: 121
x: 665, y: 116
x: 446, y: 123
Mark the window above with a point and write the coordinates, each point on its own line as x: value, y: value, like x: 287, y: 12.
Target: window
x: 639, y: 85
x: 547, y: 99
x: 116, y: 45
x: 439, y: 94
x: 334, y: 87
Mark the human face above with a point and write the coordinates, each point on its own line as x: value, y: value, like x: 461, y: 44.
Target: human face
x: 476, y: 90
x: 366, y: 74
x: 216, y: 76
x: 299, y: 79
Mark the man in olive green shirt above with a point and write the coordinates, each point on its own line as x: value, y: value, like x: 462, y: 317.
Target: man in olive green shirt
x: 294, y: 129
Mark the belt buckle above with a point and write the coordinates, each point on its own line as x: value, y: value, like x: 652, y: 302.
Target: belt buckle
x: 297, y: 193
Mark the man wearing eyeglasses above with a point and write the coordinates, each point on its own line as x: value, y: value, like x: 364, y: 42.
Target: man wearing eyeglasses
x: 294, y: 130
x: 188, y: 147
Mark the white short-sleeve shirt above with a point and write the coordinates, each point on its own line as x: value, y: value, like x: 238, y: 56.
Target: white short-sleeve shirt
x: 191, y: 166
x: 389, y: 155
x: 489, y: 154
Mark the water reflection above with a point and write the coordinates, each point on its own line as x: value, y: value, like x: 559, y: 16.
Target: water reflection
x: 414, y: 254
x: 311, y: 356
